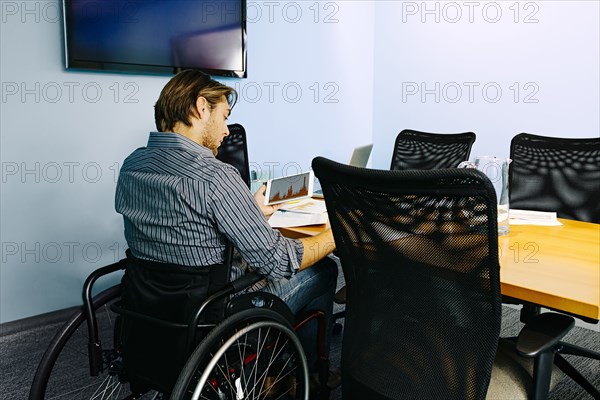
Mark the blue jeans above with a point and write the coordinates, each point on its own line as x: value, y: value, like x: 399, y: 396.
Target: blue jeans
x: 312, y: 289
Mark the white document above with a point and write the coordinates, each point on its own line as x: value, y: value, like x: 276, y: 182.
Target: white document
x: 289, y: 219
x: 309, y: 206
x: 528, y: 217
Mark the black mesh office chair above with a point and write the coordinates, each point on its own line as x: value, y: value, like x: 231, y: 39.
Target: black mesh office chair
x: 419, y: 250
x: 556, y: 174
x: 234, y: 151
x: 423, y: 150
x: 561, y: 175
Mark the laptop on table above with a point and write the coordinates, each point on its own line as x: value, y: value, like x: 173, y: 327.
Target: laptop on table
x: 360, y: 158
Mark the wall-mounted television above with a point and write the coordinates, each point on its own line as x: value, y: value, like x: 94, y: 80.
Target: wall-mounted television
x: 156, y: 36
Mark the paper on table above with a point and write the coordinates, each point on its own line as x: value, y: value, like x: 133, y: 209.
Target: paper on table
x: 529, y: 217
x: 306, y: 206
x: 288, y: 219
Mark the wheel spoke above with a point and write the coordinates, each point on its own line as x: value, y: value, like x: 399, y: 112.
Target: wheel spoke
x: 274, y: 355
x: 253, y: 354
x: 228, y: 368
x: 225, y: 375
x: 242, y: 358
x: 64, y: 370
x: 100, y: 390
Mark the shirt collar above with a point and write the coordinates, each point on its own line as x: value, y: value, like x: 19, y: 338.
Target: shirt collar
x: 173, y: 140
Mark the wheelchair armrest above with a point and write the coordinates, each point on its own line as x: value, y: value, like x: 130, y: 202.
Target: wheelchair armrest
x: 241, y: 283
x: 542, y: 333
x: 233, y: 287
x: 244, y: 281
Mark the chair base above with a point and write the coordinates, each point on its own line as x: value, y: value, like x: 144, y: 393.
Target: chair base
x: 569, y: 370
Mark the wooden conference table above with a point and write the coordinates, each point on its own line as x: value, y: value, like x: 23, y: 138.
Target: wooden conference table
x: 556, y: 267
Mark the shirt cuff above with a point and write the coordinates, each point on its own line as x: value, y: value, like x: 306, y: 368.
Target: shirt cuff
x: 295, y: 252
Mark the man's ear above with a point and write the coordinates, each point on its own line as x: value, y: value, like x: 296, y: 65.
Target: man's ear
x: 202, y: 107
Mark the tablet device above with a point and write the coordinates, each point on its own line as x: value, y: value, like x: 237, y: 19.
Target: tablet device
x: 291, y: 187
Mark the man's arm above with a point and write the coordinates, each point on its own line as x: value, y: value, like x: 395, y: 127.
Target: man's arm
x: 316, y: 248
x: 236, y: 215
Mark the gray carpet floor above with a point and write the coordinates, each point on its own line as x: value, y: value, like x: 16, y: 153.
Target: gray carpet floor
x: 21, y: 351
x: 566, y: 389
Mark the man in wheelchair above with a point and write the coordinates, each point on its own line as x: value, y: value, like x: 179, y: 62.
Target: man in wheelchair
x: 192, y: 226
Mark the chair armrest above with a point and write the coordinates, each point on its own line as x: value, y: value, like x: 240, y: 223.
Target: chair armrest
x: 233, y: 287
x: 542, y: 333
x: 244, y: 281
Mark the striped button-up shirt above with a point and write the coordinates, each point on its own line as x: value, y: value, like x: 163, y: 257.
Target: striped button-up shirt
x: 179, y: 203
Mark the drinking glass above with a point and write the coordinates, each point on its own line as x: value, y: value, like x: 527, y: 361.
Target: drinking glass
x: 496, y: 169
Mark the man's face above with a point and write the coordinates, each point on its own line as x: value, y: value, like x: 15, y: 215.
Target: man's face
x: 216, y: 127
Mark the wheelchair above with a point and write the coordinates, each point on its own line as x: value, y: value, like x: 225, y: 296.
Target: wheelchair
x: 229, y: 347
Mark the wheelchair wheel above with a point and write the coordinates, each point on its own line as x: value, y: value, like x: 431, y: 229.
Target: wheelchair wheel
x: 63, y: 372
x: 254, y: 354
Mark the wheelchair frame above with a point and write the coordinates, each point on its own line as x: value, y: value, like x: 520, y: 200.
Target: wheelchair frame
x: 94, y: 347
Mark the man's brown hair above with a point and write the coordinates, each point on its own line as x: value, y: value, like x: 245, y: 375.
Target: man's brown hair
x: 177, y: 100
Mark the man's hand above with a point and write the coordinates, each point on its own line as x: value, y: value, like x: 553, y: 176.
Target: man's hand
x: 259, y: 196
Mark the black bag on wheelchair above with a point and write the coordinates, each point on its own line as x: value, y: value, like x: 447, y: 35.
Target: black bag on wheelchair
x: 154, y: 352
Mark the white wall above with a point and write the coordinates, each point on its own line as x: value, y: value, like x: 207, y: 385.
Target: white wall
x: 549, y: 50
x: 64, y: 134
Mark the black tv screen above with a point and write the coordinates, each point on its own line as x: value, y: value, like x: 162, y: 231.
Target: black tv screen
x: 161, y: 36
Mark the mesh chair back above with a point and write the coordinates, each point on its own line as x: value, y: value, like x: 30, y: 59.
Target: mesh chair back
x: 419, y: 252
x: 556, y: 174
x: 234, y: 151
x: 422, y: 150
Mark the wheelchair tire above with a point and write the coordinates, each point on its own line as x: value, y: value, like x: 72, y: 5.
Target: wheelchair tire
x: 253, y: 354
x: 63, y: 372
